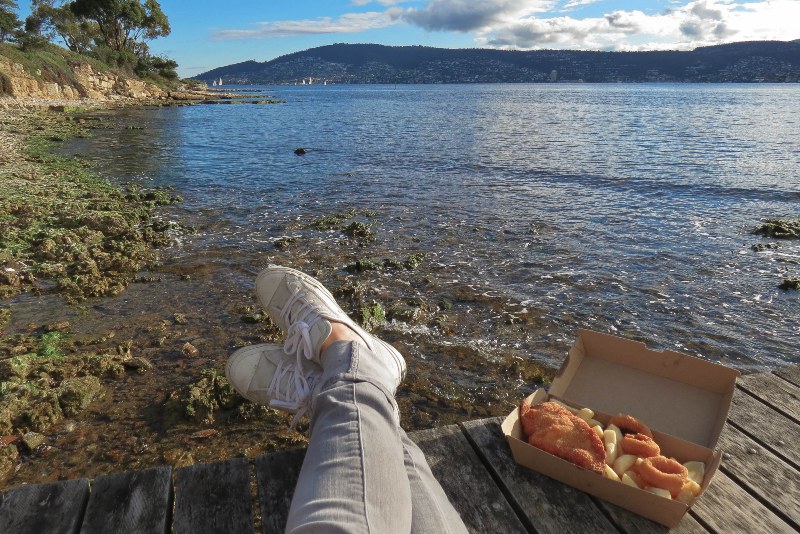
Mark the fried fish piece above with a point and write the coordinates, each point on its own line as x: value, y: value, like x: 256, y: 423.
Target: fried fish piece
x: 554, y: 429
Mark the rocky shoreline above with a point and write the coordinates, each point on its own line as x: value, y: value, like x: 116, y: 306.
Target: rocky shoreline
x: 111, y: 359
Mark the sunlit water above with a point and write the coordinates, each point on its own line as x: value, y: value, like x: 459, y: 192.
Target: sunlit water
x: 622, y: 208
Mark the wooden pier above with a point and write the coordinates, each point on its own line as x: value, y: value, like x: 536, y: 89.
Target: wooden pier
x: 757, y: 488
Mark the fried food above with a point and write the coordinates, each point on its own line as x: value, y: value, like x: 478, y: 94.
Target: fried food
x: 556, y: 430
x: 663, y: 472
x: 630, y: 425
x: 640, y: 445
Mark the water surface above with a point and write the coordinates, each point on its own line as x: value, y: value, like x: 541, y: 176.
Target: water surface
x: 621, y: 208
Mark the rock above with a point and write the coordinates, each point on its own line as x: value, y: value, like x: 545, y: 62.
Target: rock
x: 202, y: 434
x: 139, y: 363
x: 189, y: 350
x: 404, y: 313
x: 372, y: 316
x: 41, y: 414
x: 31, y: 440
x: 75, y: 394
x: 9, y: 458
x: 779, y: 229
x: 282, y: 243
x: 300, y: 151
x: 790, y: 284
x: 62, y: 326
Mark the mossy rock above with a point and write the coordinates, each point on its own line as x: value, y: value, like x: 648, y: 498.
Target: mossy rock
x: 372, y: 316
x: 790, y: 284
x: 405, y: 313
x: 779, y: 229
x: 75, y: 394
x: 9, y: 458
x: 200, y: 401
x: 40, y: 414
x: 17, y: 366
x: 200, y: 405
x: 103, y: 366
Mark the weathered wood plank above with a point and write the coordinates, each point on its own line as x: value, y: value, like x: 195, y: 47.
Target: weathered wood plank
x: 465, y: 480
x: 136, y: 502
x: 213, y: 498
x: 766, y: 426
x: 549, y: 505
x: 277, y: 477
x: 763, y: 473
x: 635, y: 524
x: 790, y: 373
x: 45, y: 508
x: 726, y: 507
x: 774, y: 391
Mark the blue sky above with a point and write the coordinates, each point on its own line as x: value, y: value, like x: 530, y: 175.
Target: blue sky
x: 208, y: 34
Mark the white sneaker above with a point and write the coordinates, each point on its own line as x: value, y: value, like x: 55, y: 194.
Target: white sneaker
x: 265, y: 374
x: 302, y: 307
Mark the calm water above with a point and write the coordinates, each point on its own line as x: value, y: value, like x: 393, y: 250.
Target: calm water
x: 622, y: 208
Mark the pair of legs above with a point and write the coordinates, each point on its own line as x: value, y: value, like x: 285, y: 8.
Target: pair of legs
x: 361, y: 472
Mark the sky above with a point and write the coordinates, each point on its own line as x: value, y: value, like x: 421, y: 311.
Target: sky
x: 208, y: 34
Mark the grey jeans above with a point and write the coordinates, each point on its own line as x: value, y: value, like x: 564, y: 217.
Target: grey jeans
x: 361, y: 472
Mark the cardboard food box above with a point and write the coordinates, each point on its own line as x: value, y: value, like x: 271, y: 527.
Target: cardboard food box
x: 684, y: 400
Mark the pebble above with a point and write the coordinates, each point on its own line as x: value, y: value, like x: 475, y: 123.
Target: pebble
x: 726, y: 456
x: 752, y: 451
x: 189, y: 350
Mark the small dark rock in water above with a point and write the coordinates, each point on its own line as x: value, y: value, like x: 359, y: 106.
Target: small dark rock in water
x: 252, y: 318
x: 761, y: 247
x: 282, y: 243
x: 139, y: 363
x: 790, y: 283
x: 299, y: 151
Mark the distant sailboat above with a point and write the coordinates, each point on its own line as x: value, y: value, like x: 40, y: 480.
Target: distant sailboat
x: 220, y: 81
x: 214, y: 84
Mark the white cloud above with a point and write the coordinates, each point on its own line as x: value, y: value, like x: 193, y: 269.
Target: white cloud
x: 578, y: 3
x: 696, y: 23
x: 471, y: 15
x: 347, y: 23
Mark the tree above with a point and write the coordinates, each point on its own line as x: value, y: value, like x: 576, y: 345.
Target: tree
x: 124, y: 25
x: 9, y: 21
x: 50, y: 22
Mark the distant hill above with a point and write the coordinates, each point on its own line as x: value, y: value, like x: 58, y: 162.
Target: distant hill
x: 757, y: 61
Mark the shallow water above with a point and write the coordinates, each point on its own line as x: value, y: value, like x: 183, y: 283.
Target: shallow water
x: 622, y: 208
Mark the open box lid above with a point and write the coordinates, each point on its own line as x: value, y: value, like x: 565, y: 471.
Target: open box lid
x: 673, y: 393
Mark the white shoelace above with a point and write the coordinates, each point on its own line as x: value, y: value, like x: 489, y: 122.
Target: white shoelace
x: 298, y: 335
x: 298, y: 342
x: 297, y: 398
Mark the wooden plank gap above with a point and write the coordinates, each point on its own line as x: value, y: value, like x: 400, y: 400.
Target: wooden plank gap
x: 769, y: 505
x: 509, y: 496
x: 771, y: 405
x: 700, y: 520
x: 607, y: 513
x: 792, y: 462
